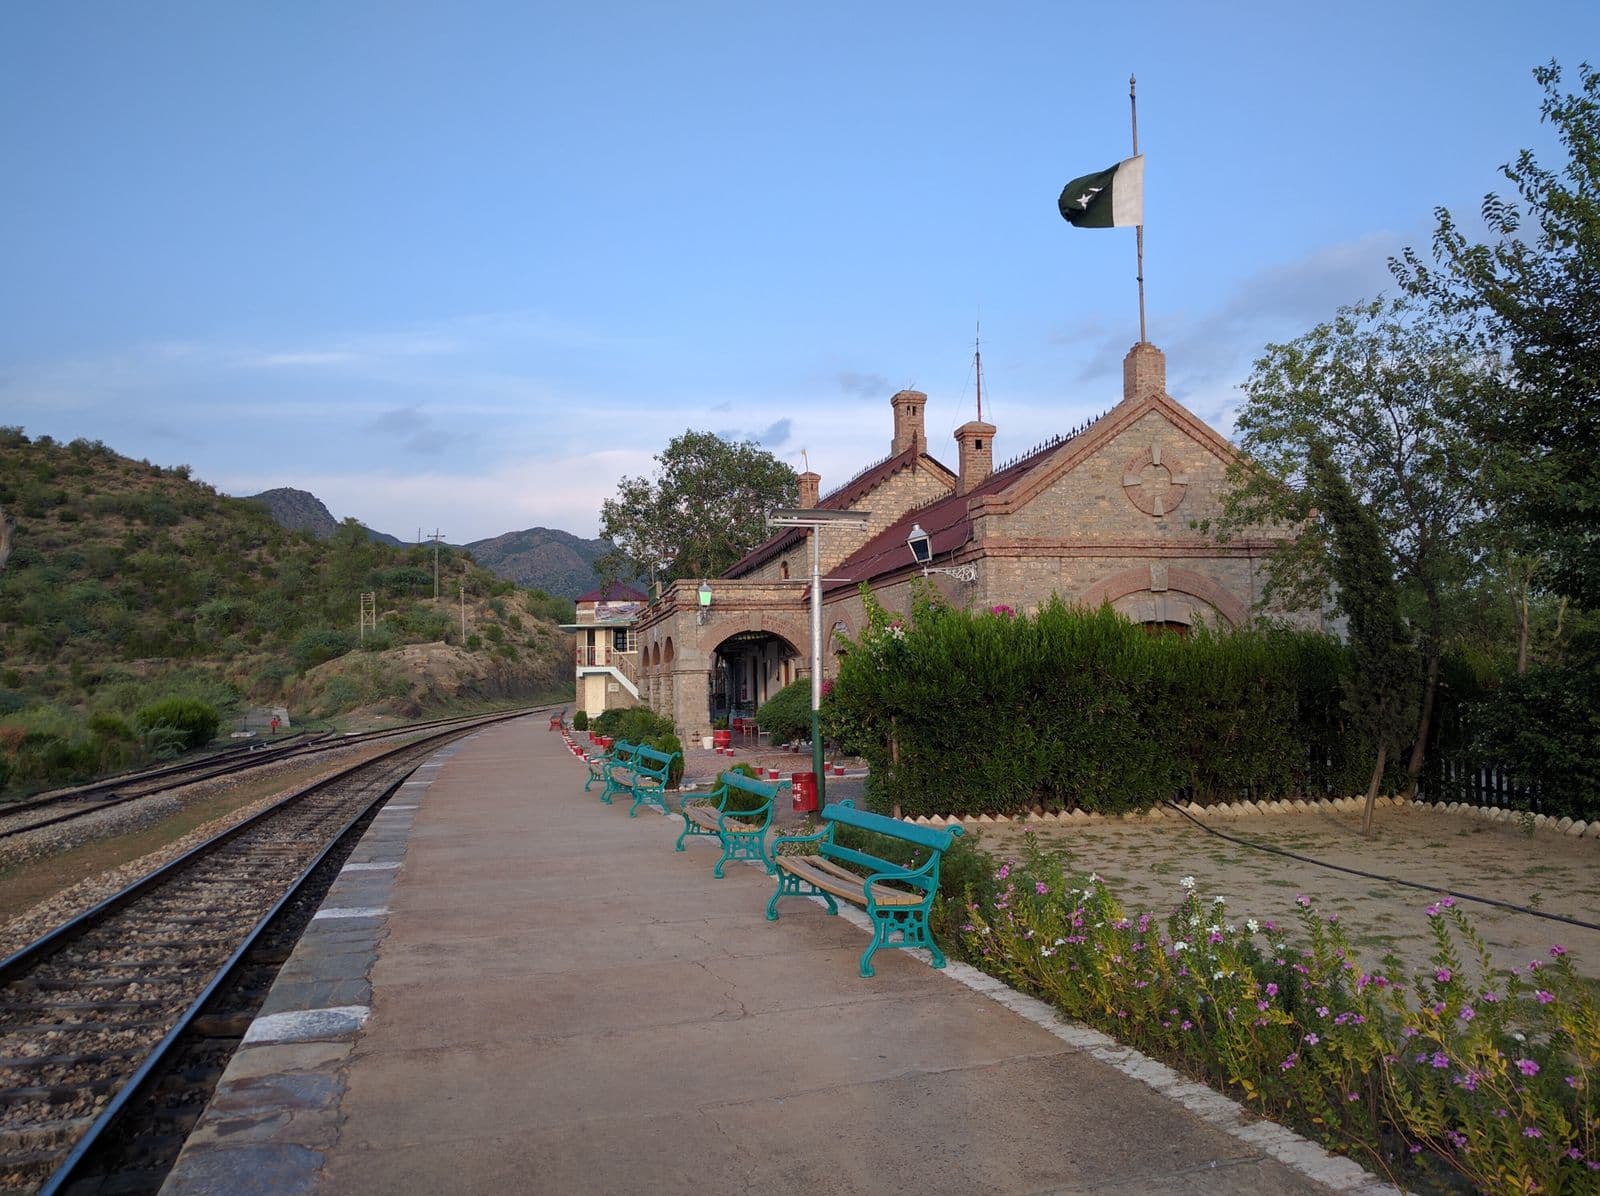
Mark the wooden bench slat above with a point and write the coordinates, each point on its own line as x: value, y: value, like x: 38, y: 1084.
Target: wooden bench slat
x: 842, y: 882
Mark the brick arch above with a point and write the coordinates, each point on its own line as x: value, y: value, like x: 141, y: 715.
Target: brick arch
x: 670, y: 653
x: 1178, y: 580
x: 791, y: 637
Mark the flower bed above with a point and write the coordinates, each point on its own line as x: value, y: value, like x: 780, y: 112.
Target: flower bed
x: 1459, y: 1071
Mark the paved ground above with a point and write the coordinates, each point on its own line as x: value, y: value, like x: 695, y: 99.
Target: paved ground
x: 516, y: 989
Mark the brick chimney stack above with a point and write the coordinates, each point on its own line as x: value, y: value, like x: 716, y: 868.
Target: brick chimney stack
x: 975, y: 441
x: 908, y: 429
x: 1144, y: 371
x: 810, y: 487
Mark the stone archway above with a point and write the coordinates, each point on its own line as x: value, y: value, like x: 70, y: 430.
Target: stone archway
x: 1146, y: 594
x: 747, y: 668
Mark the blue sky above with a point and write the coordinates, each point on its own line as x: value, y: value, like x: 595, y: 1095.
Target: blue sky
x: 465, y: 265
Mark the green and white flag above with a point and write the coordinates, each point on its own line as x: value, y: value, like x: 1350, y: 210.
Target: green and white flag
x: 1111, y: 198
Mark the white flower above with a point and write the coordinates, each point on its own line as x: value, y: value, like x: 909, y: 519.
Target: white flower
x: 1180, y: 945
x: 1219, y: 901
x: 1187, y: 882
x: 1094, y: 878
x: 1213, y: 929
x: 1218, y: 975
x: 1252, y: 925
x: 1229, y: 927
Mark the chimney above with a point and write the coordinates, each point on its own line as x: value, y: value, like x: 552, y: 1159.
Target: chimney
x: 908, y: 431
x: 810, y: 487
x: 1144, y: 371
x: 976, y: 448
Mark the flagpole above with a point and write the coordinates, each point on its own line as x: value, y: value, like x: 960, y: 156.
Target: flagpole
x: 1133, y: 108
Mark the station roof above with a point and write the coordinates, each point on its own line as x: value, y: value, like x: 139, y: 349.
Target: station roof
x: 614, y: 592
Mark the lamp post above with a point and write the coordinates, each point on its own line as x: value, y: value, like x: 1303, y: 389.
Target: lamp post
x: 921, y: 545
x: 814, y: 519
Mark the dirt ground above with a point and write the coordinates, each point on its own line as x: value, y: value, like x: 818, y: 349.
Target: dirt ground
x: 1141, y: 862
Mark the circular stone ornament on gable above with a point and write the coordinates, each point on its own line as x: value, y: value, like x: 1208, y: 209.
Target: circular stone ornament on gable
x: 1154, y: 482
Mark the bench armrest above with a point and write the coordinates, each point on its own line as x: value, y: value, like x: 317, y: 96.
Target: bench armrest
x: 925, y: 877
x: 824, y: 835
x: 763, y: 812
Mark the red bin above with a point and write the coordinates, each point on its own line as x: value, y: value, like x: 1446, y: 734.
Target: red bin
x: 721, y: 739
x: 805, y: 792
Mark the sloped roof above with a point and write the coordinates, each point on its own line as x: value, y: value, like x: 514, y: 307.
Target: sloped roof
x: 840, y: 499
x: 615, y: 592
x: 947, y: 521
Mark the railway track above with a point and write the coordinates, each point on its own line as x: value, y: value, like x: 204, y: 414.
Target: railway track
x: 67, y: 805
x: 114, y: 1027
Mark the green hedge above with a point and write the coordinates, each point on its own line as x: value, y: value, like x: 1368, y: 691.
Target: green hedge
x: 786, y: 716
x: 958, y: 712
x: 640, y: 724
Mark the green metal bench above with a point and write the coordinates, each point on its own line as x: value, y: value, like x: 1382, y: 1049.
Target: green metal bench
x: 649, y: 770
x: 620, y: 755
x: 737, y: 813
x: 897, y: 898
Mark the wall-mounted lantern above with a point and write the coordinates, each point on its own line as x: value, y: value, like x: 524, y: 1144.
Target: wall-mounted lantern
x: 705, y: 593
x: 921, y: 545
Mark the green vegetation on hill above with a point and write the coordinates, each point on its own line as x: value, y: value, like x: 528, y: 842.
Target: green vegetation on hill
x: 128, y: 585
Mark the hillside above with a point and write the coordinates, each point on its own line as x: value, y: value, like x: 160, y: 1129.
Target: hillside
x: 542, y: 558
x: 128, y: 583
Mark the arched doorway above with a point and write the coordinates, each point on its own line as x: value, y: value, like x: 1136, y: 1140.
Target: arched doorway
x: 747, y: 669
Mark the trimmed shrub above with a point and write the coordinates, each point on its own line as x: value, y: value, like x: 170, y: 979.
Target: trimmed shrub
x: 640, y: 724
x: 580, y: 720
x: 967, y: 713
x: 787, y: 714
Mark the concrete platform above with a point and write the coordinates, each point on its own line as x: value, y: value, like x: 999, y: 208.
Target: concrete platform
x: 513, y: 988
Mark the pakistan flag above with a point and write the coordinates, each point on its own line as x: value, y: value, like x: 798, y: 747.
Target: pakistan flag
x: 1111, y: 198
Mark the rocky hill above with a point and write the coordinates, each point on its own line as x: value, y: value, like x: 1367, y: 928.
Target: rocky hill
x: 542, y: 558
x: 302, y: 511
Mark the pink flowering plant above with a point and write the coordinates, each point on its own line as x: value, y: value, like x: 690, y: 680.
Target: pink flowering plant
x: 1459, y: 1069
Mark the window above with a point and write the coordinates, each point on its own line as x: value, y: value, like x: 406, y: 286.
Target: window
x: 619, y: 639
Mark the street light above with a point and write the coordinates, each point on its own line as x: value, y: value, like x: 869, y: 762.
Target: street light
x: 814, y: 519
x: 921, y: 545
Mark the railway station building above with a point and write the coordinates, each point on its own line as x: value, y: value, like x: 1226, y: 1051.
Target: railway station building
x: 1104, y: 514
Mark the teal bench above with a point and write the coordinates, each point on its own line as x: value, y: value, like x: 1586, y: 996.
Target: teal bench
x: 897, y: 898
x: 737, y: 813
x: 619, y: 753
x: 648, y: 771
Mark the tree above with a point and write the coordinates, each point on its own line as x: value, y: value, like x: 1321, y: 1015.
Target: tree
x: 705, y: 507
x: 1380, y: 692
x: 1378, y: 393
x: 1529, y: 303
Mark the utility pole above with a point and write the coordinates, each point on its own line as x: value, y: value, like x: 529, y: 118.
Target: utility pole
x: 369, y: 613
x: 436, y: 537
x: 463, y: 614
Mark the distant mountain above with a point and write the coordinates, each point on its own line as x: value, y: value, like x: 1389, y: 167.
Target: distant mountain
x: 300, y: 510
x: 540, y: 557
x: 554, y: 561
